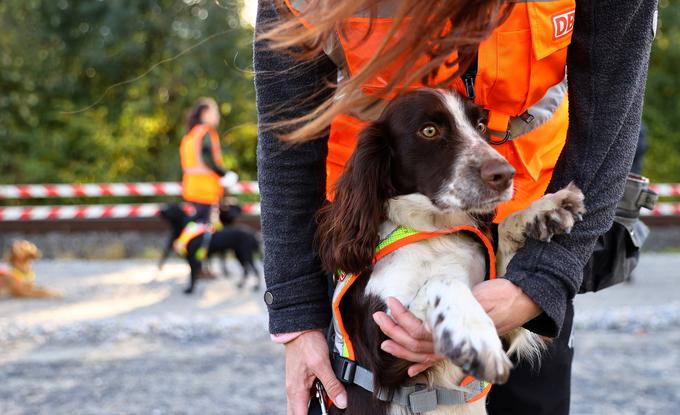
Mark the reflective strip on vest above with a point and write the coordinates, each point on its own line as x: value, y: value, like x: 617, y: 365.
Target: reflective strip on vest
x: 538, y: 114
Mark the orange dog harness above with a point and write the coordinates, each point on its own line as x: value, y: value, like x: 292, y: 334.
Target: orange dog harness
x: 416, y: 397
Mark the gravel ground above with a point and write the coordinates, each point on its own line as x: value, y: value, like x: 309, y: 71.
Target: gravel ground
x: 125, y: 340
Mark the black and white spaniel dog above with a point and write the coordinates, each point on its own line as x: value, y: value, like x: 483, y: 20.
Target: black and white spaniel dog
x: 425, y: 164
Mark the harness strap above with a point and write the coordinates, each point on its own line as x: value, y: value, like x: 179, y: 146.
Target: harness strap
x: 202, y: 251
x: 417, y: 398
x: 403, y: 236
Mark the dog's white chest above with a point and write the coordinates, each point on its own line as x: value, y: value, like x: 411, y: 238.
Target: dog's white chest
x: 402, y: 273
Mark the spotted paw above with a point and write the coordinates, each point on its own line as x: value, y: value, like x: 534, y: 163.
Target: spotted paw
x: 554, y: 214
x: 476, y: 349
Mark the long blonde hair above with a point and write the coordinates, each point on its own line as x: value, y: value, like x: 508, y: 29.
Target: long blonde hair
x: 433, y: 28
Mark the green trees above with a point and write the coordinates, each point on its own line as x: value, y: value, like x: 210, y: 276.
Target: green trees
x: 662, y: 106
x: 66, y: 112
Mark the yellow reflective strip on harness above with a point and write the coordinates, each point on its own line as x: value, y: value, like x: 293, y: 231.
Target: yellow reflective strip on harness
x: 396, y: 235
x: 18, y: 274
x: 191, y: 231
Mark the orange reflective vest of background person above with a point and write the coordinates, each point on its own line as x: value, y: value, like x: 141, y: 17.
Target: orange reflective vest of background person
x: 520, y: 80
x: 200, y: 184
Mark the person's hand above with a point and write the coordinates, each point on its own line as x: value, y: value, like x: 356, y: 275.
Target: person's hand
x: 507, y: 305
x: 410, y: 337
x: 307, y: 358
x: 229, y: 179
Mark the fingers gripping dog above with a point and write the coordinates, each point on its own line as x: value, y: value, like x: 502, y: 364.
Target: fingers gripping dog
x: 424, y: 171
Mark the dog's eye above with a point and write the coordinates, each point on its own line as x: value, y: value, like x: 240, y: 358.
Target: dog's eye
x: 429, y: 131
x: 481, y: 127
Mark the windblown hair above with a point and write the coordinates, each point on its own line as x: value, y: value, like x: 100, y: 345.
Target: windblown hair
x: 348, y: 228
x: 196, y: 111
x: 448, y: 33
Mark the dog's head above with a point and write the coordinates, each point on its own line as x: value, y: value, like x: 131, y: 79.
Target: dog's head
x: 229, y: 214
x: 21, y: 253
x: 175, y: 216
x: 428, y: 142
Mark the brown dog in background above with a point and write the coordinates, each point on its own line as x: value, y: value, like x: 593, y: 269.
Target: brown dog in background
x: 17, y: 277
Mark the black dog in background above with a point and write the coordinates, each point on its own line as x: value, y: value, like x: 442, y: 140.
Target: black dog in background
x: 242, y: 241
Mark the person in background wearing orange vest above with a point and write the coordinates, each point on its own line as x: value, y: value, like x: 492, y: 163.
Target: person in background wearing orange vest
x: 512, y: 58
x: 203, y: 175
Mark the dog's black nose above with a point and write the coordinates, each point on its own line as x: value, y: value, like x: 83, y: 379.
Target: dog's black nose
x: 497, y: 174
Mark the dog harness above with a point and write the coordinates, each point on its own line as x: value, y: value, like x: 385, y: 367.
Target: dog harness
x: 191, y: 231
x: 418, y: 398
x: 20, y: 275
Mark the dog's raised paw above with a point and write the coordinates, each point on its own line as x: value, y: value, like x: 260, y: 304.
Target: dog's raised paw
x: 478, y: 353
x: 555, y: 213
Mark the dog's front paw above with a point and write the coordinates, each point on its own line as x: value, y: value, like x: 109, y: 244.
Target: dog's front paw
x: 555, y: 213
x: 475, y: 348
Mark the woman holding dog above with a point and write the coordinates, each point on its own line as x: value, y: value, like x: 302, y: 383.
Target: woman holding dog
x: 512, y: 58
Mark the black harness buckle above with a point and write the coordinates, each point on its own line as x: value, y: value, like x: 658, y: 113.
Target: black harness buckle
x: 344, y: 369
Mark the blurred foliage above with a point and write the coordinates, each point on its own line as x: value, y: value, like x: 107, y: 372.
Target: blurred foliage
x: 59, y: 57
x: 662, y: 106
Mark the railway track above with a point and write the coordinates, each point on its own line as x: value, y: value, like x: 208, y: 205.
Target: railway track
x: 113, y: 225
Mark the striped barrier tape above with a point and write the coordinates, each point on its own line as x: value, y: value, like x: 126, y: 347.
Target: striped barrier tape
x: 663, y: 209
x: 120, y: 211
x: 39, y: 191
x: 666, y: 189
x: 146, y: 210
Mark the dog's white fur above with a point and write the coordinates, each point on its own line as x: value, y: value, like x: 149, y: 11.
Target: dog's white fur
x: 446, y: 268
x: 434, y: 277
x: 473, y: 149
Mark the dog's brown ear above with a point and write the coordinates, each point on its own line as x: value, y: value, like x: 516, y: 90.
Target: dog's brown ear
x: 348, y: 228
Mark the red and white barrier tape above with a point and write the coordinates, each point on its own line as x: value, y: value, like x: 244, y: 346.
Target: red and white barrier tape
x: 666, y: 189
x: 663, y: 209
x: 146, y: 210
x: 37, y: 191
x: 143, y: 210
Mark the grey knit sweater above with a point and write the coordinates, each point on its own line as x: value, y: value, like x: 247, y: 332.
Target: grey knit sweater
x: 607, y: 69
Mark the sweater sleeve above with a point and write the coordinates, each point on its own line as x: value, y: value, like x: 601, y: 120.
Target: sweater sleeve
x: 607, y: 70
x: 292, y: 181
x: 208, y: 158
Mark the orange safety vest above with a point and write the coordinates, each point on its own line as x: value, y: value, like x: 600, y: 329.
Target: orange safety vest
x: 520, y: 80
x: 199, y: 183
